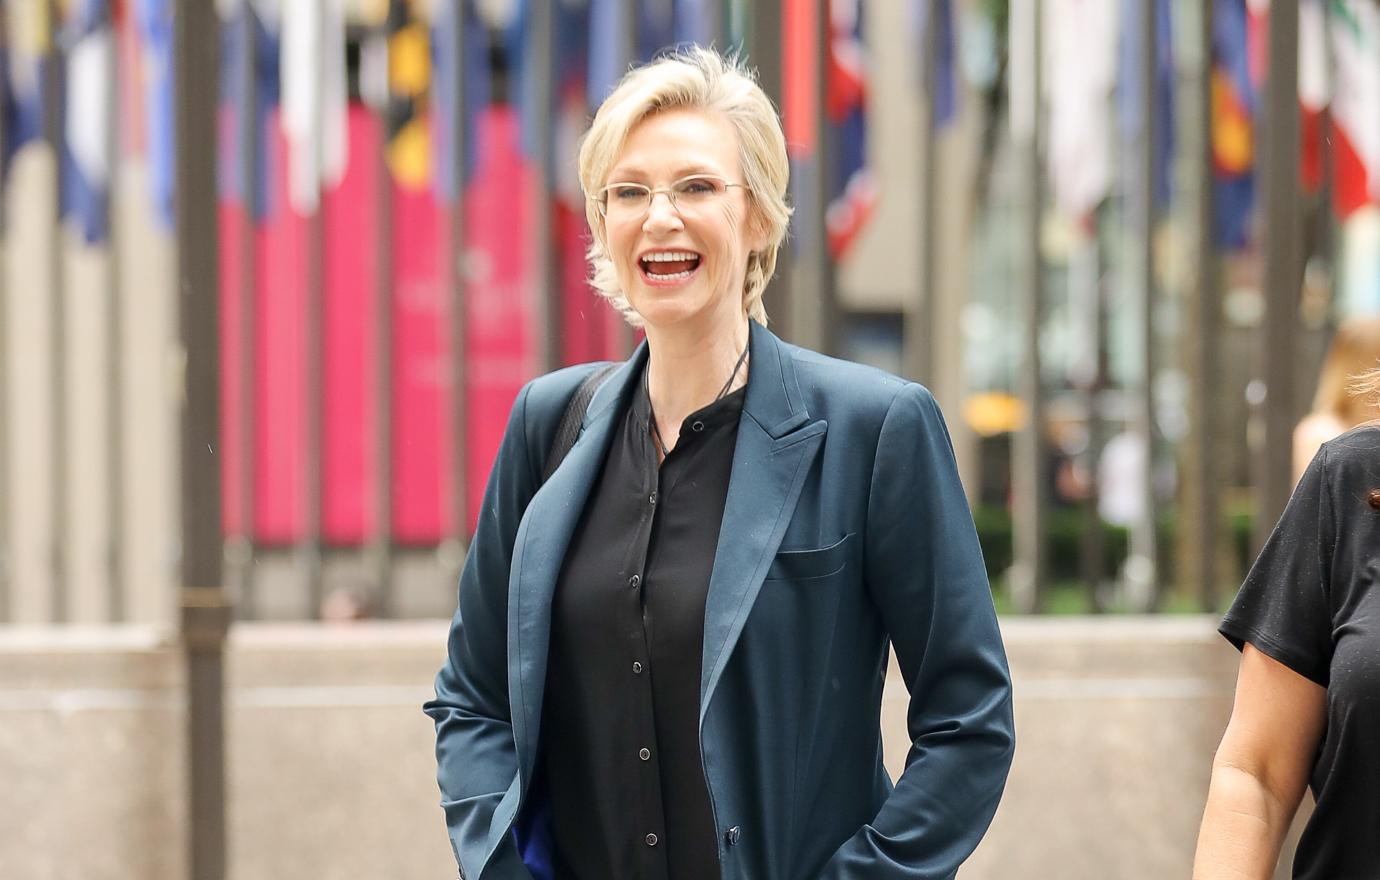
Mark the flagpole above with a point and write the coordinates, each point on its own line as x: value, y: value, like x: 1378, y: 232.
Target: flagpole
x: 455, y: 274
x: 53, y: 121
x: 827, y: 312
x: 114, y: 374
x: 1142, y: 568
x: 6, y: 495
x: 541, y: 41
x: 918, y: 332
x: 763, y: 48
x: 205, y: 606
x: 627, y: 53
x: 241, y: 547
x: 315, y: 258
x: 1202, y: 340
x: 380, y: 551
x: 810, y: 265
x: 1278, y: 348
x: 1031, y: 495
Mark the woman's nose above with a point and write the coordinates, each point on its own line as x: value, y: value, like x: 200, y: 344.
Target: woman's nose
x: 662, y: 213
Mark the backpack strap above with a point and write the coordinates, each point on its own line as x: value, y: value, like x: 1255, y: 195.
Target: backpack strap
x: 569, y: 429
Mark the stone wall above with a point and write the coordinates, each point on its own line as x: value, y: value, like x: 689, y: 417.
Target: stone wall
x: 330, y: 771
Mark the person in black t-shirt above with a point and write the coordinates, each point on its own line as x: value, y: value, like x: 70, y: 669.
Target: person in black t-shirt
x: 1307, y: 711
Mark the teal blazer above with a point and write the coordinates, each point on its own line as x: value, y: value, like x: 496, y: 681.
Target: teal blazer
x: 845, y: 529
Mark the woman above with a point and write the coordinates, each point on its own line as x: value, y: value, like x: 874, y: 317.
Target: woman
x: 668, y: 659
x: 1307, y: 621
x: 1337, y: 407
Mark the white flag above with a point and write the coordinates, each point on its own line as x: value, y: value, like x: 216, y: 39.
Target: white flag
x: 314, y: 99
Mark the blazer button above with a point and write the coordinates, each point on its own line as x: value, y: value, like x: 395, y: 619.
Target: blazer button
x: 651, y: 839
x: 635, y: 581
x: 644, y: 754
x: 732, y: 835
x: 697, y: 427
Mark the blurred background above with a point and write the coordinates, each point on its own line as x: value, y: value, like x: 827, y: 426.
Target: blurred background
x: 273, y: 271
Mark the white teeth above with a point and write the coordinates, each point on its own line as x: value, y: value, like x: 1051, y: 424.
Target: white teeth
x: 670, y: 257
x: 676, y: 276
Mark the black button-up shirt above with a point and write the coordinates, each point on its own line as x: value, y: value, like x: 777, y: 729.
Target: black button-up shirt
x: 620, y: 731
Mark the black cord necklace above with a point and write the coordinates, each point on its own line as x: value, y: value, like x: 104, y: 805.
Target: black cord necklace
x: 656, y: 429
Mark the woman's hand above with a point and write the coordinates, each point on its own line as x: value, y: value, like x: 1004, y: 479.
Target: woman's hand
x: 1260, y: 770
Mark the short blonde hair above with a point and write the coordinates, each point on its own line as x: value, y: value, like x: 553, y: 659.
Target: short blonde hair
x: 1348, y: 378
x: 693, y: 79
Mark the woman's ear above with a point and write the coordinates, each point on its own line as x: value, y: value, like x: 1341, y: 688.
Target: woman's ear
x: 757, y: 231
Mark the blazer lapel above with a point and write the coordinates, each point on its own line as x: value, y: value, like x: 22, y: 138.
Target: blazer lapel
x: 538, y: 550
x: 777, y: 443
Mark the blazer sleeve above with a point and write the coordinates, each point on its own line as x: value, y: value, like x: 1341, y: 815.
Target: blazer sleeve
x: 476, y: 758
x: 925, y: 572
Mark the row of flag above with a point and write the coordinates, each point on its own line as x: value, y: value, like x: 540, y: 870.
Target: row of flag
x: 322, y: 123
x: 1093, y: 52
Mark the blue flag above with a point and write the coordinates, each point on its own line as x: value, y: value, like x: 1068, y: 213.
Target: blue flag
x: 155, y: 23
x: 266, y: 89
x: 1129, y: 99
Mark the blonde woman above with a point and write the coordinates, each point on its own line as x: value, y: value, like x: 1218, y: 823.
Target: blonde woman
x: 1307, y: 711
x: 668, y: 658
x: 1337, y: 405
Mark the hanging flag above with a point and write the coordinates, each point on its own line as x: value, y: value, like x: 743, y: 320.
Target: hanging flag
x: 1080, y: 68
x: 444, y: 103
x: 945, y: 106
x: 314, y: 99
x: 21, y: 96
x: 266, y: 97
x: 155, y: 24
x: 853, y: 197
x: 1132, y: 108
x: 88, y: 54
x: 1233, y: 115
x: 409, y: 83
x: 1348, y: 85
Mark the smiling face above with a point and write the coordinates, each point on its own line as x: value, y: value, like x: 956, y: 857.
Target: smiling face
x: 683, y: 267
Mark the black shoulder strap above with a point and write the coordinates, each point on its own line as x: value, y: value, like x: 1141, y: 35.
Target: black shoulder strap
x: 569, y: 429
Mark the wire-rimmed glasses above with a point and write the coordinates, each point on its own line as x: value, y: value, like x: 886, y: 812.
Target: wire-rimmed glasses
x: 622, y: 202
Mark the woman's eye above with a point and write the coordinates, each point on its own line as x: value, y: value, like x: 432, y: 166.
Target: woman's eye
x: 629, y: 193
x: 698, y: 187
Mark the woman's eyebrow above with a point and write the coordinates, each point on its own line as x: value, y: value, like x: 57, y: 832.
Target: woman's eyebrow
x: 630, y: 174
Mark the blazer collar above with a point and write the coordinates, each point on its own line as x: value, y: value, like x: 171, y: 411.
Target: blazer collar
x: 777, y: 444
x: 773, y: 395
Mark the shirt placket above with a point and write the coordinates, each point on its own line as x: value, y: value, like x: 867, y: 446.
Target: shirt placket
x: 651, y: 843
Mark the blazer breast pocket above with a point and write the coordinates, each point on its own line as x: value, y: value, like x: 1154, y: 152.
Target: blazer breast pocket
x: 805, y: 565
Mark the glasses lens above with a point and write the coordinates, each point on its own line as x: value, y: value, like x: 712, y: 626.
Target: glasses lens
x: 693, y: 192
x: 626, y: 199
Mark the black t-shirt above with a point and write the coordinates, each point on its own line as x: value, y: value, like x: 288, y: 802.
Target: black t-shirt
x: 621, y: 726
x: 1312, y: 602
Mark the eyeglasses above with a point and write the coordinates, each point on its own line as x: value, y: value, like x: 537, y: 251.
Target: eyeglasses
x: 621, y: 202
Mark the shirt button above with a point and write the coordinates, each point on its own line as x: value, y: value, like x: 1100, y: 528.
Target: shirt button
x: 732, y: 835
x: 644, y: 754
x: 697, y: 427
x: 635, y: 581
x: 637, y: 667
x: 651, y: 839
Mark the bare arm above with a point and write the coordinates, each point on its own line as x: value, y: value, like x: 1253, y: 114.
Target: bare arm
x: 1260, y: 770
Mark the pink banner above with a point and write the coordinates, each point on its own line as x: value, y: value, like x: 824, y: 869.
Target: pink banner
x: 502, y: 351
x: 348, y: 351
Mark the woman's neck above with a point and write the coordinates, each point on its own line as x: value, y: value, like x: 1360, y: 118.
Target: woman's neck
x: 686, y: 373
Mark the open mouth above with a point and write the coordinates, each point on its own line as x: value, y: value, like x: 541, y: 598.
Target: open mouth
x: 668, y: 267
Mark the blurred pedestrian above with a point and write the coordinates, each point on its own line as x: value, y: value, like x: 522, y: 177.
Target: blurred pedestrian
x: 1307, y: 621
x: 668, y: 659
x: 1337, y: 407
